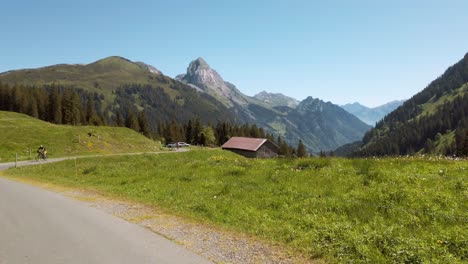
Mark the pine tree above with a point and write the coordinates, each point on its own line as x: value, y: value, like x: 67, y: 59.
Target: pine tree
x: 33, y: 110
x: 55, y: 106
x: 132, y: 122
x: 188, y: 132
x: 254, y: 131
x: 71, y: 108
x: 196, y: 130
x: 202, y: 139
x: 284, y: 149
x: 143, y: 124
x: 91, y: 116
x: 301, y: 150
x: 119, y: 119
x: 428, y: 146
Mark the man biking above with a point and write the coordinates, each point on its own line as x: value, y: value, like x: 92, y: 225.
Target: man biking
x: 41, y: 152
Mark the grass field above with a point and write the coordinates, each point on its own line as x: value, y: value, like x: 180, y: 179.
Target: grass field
x: 395, y: 210
x: 22, y: 134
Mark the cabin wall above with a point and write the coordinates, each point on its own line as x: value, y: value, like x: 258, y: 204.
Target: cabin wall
x: 267, y: 150
x: 245, y: 153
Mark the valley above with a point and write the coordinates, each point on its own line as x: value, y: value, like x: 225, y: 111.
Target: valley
x: 243, y: 132
x: 330, y: 209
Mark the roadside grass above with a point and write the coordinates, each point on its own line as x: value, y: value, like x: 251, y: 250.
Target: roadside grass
x: 24, y: 134
x: 392, y: 210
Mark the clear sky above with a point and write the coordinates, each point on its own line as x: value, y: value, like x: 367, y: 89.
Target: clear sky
x: 340, y: 51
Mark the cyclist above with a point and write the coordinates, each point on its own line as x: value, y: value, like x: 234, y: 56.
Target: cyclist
x: 41, y: 152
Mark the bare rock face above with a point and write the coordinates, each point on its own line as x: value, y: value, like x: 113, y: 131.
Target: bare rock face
x: 200, y: 74
x: 150, y: 68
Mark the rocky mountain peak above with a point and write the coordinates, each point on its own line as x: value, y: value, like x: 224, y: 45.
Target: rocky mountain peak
x: 310, y: 100
x: 200, y: 74
x: 203, y: 78
x: 312, y: 104
x: 199, y: 63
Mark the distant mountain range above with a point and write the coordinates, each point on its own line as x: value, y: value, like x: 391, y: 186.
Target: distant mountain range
x: 202, y: 92
x: 371, y: 115
x: 320, y: 125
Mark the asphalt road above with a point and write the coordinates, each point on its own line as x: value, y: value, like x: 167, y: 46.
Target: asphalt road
x: 38, y: 226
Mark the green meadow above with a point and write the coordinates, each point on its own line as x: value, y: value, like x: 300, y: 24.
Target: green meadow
x: 392, y: 210
x: 21, y: 134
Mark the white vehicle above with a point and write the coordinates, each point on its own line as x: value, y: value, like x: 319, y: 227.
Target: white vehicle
x: 177, y: 144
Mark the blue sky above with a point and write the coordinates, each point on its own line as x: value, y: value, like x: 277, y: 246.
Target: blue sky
x: 340, y: 51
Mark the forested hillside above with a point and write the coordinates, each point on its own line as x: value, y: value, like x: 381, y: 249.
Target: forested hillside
x: 144, y: 109
x: 432, y: 121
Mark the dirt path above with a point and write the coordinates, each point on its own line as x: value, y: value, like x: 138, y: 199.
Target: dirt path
x: 7, y: 165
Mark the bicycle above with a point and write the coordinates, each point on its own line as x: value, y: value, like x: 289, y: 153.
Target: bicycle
x: 41, y: 155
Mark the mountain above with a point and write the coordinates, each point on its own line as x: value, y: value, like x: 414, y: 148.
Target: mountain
x: 103, y: 75
x: 276, y: 99
x: 202, y: 77
x: 433, y: 121
x: 123, y: 86
x: 120, y: 88
x: 371, y: 115
x: 327, y: 125
x: 320, y: 125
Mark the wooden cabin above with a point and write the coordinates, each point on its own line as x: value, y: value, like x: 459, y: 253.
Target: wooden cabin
x: 252, y: 147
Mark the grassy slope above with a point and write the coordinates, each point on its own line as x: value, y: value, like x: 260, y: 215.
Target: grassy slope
x: 363, y: 211
x: 19, y: 133
x: 102, y: 76
x: 431, y: 106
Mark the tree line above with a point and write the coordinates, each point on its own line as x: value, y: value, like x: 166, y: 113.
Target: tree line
x: 54, y: 104
x: 72, y: 106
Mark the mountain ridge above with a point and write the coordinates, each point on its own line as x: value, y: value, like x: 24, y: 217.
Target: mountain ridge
x: 324, y: 131
x: 201, y: 91
x: 276, y: 99
x: 371, y: 115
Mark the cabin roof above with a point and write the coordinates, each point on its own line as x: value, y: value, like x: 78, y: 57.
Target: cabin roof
x: 251, y: 144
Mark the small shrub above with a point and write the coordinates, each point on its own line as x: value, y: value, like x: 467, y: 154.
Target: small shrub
x: 185, y: 178
x: 236, y: 171
x: 226, y: 189
x: 367, y: 169
x: 90, y: 170
x: 312, y: 163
